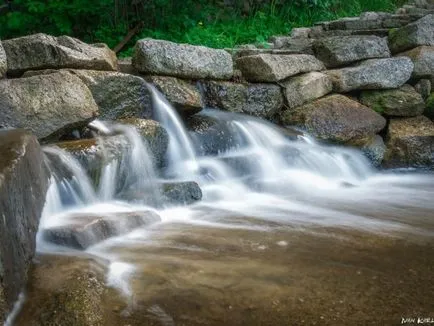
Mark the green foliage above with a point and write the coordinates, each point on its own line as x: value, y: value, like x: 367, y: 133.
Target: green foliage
x: 212, y: 23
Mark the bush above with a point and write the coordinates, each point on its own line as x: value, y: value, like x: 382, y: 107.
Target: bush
x: 212, y: 23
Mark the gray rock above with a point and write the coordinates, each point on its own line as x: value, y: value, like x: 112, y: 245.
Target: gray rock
x: 48, y: 105
x: 307, y: 87
x: 402, y: 102
x: 336, y: 118
x: 41, y: 51
x: 374, y: 150
x: 3, y: 61
x: 261, y: 100
x: 23, y: 187
x: 420, y: 32
x: 84, y: 231
x: 125, y: 65
x: 297, y: 45
x: 349, y: 23
x: 184, y: 96
x: 423, y: 87
x: 272, y: 68
x: 429, y: 110
x: 301, y: 32
x: 181, y: 60
x: 320, y: 33
x: 338, y: 51
x: 372, y: 74
x: 410, y: 143
x: 423, y: 59
x: 184, y: 193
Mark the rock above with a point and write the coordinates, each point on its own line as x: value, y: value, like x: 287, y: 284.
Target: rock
x: 317, y: 33
x: 41, y: 51
x: 349, y: 23
x: 410, y: 143
x: 301, y: 32
x: 261, y: 100
x: 297, y: 45
x: 420, y: 32
x: 184, y: 96
x: 23, y: 187
x: 429, y: 110
x: 118, y: 95
x: 343, y: 50
x: 48, y: 105
x: 374, y: 150
x: 184, y: 193
x: 305, y: 88
x: 158, y: 57
x: 83, y: 231
x: 125, y: 65
x: 273, y: 68
x: 423, y: 59
x: 336, y: 118
x: 155, y: 135
x: 65, y: 290
x: 372, y: 74
x: 402, y: 102
x: 3, y: 61
x: 423, y: 87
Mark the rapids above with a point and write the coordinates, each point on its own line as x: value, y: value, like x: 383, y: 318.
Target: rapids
x: 259, y: 179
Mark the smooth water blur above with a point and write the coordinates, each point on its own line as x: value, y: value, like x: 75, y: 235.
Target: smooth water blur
x: 263, y: 180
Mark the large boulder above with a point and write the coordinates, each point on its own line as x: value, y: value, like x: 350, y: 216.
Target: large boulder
x: 159, y: 57
x: 48, y: 105
x: 117, y: 95
x: 420, y: 32
x: 339, y: 51
x: 402, y: 102
x: 336, y: 118
x: 83, y: 231
x: 273, y: 67
x: 23, y: 186
x: 410, y: 143
x: 373, y: 74
x: 423, y: 59
x: 3, y: 61
x: 305, y: 88
x: 41, y: 51
x: 184, y: 96
x: 261, y: 100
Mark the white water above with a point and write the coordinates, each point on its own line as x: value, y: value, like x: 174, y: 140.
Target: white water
x: 263, y: 175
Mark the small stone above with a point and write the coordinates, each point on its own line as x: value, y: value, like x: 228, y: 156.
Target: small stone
x: 423, y: 87
x: 301, y: 32
x: 297, y: 45
x: 273, y: 68
x: 374, y: 149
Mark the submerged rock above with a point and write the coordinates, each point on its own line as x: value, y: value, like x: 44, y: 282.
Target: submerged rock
x: 48, y: 105
x: 83, y: 231
x: 420, y: 32
x: 41, y: 51
x: 184, y: 192
x: 404, y: 101
x: 410, y: 143
x: 273, y: 67
x: 373, y: 74
x: 343, y: 50
x: 161, y: 57
x: 305, y: 88
x: 65, y: 290
x: 183, y: 95
x: 3, y: 61
x: 23, y: 186
x: 336, y: 118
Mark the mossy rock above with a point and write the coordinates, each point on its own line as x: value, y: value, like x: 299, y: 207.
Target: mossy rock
x: 429, y: 109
